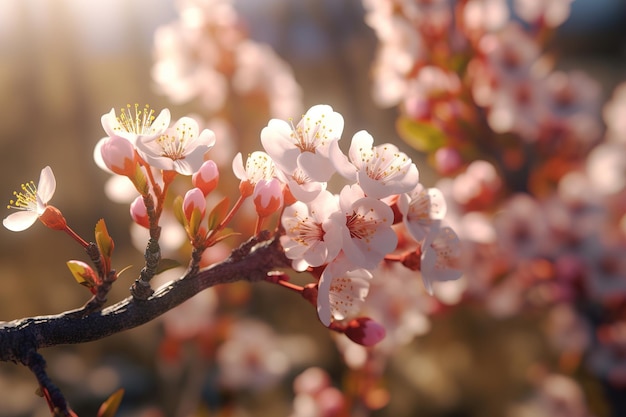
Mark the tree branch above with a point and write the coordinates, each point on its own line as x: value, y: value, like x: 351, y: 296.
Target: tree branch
x: 251, y: 262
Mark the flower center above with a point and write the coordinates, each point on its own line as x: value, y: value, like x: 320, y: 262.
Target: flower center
x: 309, y: 136
x: 306, y: 232
x: 383, y: 165
x: 139, y: 123
x: 26, y: 199
x: 173, y: 146
x: 360, y: 226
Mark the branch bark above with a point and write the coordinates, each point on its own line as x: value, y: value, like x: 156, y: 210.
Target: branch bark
x: 251, y: 261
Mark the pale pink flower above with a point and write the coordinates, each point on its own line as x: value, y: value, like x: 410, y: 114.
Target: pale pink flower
x: 614, y: 113
x: 380, y: 170
x: 421, y: 208
x: 342, y: 290
x: 302, y: 186
x: 306, y: 145
x: 606, y: 167
x: 31, y: 202
x: 441, y: 252
x: 258, y: 166
x: 311, y: 237
x: 551, y: 13
x: 134, y: 124
x: 315, y: 396
x: 252, y: 357
x: 180, y: 148
x: 485, y: 15
x: 367, y: 235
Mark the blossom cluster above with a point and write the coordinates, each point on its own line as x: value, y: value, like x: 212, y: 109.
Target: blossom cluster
x: 533, y: 164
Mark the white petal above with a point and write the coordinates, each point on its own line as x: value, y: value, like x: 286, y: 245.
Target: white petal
x: 46, y: 186
x: 20, y: 220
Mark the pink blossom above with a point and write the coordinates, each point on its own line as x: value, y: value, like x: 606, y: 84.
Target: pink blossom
x: 179, y: 148
x: 367, y: 235
x: 421, y: 208
x: 307, y: 145
x: 312, y: 238
x: 341, y: 291
x: 380, y: 170
x: 441, y: 253
x: 551, y: 13
x: 132, y: 125
x: 259, y: 166
x: 31, y: 202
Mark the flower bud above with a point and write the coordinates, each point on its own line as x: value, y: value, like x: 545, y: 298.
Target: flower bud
x: 268, y: 197
x: 194, y: 208
x: 118, y: 155
x: 139, y: 212
x: 207, y: 177
x: 365, y: 331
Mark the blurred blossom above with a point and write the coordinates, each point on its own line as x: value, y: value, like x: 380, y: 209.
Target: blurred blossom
x: 206, y: 54
x: 551, y: 13
x: 251, y: 357
x: 614, y: 113
x: 606, y: 166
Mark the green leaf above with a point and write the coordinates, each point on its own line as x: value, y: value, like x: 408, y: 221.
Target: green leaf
x: 424, y: 137
x: 104, y: 240
x: 167, y: 264
x: 218, y: 214
x: 110, y: 406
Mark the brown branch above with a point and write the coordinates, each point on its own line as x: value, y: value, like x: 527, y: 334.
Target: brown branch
x: 251, y: 262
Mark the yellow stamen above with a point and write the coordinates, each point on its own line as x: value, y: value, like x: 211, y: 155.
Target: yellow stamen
x: 26, y: 199
x: 139, y: 123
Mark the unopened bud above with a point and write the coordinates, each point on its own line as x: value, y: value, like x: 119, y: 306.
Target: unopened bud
x: 365, y: 331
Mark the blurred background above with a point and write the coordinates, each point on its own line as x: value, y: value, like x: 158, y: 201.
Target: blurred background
x: 65, y: 63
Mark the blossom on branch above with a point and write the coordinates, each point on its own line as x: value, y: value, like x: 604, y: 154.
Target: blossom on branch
x: 180, y: 148
x: 31, y: 202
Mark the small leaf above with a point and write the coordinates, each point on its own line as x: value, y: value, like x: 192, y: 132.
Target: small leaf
x: 104, y: 240
x: 177, y: 207
x: 110, y: 406
x: 424, y: 137
x: 218, y: 214
x: 167, y: 264
x: 83, y: 274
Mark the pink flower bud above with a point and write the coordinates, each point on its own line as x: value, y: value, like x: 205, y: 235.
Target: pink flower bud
x: 207, y: 177
x: 139, y: 213
x: 365, y: 331
x: 118, y: 155
x: 268, y: 197
x: 194, y: 200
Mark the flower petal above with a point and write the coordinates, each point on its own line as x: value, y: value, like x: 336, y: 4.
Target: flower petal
x: 20, y: 220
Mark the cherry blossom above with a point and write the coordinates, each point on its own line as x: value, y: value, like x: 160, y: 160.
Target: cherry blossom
x: 341, y: 291
x: 134, y: 124
x: 179, y: 148
x: 31, y: 202
x: 367, y: 235
x: 421, y: 208
x: 440, y: 257
x: 380, y: 170
x: 312, y: 237
x: 306, y: 145
x: 259, y: 166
